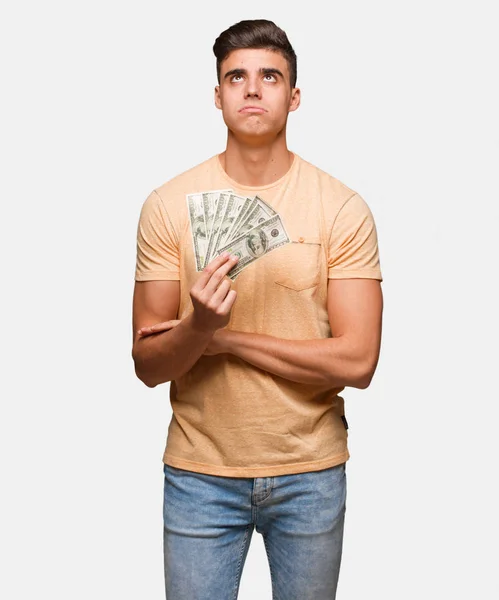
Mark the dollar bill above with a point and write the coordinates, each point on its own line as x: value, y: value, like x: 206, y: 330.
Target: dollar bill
x: 222, y: 202
x: 256, y: 215
x: 268, y: 208
x: 248, y: 205
x: 210, y: 200
x: 198, y: 228
x: 221, y: 219
x: 238, y: 204
x: 255, y: 243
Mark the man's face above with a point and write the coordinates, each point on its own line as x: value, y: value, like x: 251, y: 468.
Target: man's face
x: 258, y: 78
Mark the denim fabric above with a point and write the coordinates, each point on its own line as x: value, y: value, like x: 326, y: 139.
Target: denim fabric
x: 209, y: 521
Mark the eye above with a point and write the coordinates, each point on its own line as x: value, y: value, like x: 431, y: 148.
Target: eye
x: 234, y: 76
x: 270, y: 75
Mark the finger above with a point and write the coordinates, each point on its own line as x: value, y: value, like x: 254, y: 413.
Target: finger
x: 219, y: 275
x: 165, y: 325
x: 221, y: 292
x: 210, y: 268
x: 229, y: 301
x: 145, y: 331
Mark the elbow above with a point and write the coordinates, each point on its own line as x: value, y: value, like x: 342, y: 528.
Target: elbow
x: 364, y: 375
x: 151, y: 380
x: 363, y: 382
x: 141, y: 371
x: 356, y: 378
x: 144, y: 378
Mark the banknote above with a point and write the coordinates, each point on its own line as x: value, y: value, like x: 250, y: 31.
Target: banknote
x: 237, y: 208
x: 255, y: 243
x: 248, y: 205
x: 222, y: 203
x: 259, y: 213
x: 269, y: 209
x: 210, y: 200
x: 220, y: 218
x: 198, y: 227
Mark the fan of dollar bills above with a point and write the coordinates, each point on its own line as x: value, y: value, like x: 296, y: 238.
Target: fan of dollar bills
x: 223, y: 221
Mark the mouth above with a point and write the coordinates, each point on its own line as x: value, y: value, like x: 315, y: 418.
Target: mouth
x: 252, y: 109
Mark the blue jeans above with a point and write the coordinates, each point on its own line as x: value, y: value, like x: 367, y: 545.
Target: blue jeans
x: 209, y: 521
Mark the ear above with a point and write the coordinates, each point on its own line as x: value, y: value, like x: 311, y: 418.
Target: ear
x: 218, y: 103
x: 294, y: 103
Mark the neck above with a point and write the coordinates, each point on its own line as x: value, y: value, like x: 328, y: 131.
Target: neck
x: 255, y: 165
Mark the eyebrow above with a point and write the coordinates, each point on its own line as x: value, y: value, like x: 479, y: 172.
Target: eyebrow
x: 262, y: 71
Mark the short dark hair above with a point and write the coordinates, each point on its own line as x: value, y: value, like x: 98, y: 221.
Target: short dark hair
x: 256, y: 33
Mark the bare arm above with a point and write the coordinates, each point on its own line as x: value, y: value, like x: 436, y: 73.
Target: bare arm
x: 303, y: 361
x: 349, y: 358
x: 167, y: 355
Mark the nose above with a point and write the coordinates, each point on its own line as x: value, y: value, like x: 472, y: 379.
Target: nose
x: 253, y: 88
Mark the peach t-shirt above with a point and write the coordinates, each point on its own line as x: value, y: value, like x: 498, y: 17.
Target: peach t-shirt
x: 229, y: 417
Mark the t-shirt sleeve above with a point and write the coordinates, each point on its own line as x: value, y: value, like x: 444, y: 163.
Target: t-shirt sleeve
x: 157, y: 243
x: 353, y: 245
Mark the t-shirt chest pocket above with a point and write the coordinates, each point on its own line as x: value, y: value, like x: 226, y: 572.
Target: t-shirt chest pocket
x: 298, y: 264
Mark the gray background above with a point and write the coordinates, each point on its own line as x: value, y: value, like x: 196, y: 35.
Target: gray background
x: 102, y: 102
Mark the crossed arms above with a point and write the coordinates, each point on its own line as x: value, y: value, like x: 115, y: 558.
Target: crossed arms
x: 165, y: 349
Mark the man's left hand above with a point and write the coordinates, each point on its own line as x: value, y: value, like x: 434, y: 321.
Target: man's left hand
x: 164, y: 326
x: 216, y: 345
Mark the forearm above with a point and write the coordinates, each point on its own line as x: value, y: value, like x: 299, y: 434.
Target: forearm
x: 168, y: 355
x: 331, y: 362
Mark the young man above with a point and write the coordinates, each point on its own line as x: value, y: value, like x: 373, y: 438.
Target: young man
x: 258, y: 436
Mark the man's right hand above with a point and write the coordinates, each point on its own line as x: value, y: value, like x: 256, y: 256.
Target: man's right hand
x: 211, y: 295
